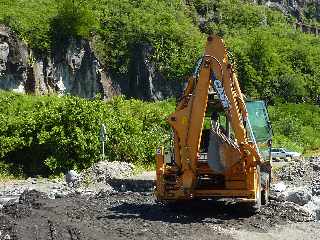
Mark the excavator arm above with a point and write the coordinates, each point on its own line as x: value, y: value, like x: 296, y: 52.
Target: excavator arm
x: 229, y: 158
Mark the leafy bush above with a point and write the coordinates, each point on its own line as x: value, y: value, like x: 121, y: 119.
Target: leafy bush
x: 296, y: 126
x: 274, y: 61
x: 277, y: 65
x: 31, y: 20
x: 50, y: 134
x: 74, y: 18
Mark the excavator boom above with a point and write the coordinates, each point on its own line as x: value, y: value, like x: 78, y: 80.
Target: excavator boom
x: 209, y: 159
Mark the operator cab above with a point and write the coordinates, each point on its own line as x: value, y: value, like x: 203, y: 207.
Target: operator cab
x: 258, y: 127
x: 261, y: 127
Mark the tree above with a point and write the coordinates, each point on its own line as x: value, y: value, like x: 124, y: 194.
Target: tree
x: 74, y: 18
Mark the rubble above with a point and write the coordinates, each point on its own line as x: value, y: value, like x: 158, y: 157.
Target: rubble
x: 102, y: 175
x: 130, y: 210
x: 104, y: 171
x: 92, y: 181
x: 294, y: 171
x: 300, y: 185
x: 299, y: 196
x: 313, y: 206
x: 279, y: 187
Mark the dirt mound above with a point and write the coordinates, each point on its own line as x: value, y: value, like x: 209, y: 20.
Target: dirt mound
x: 131, y: 212
x: 104, y: 171
x: 32, y: 197
x: 136, y: 215
x: 23, y: 208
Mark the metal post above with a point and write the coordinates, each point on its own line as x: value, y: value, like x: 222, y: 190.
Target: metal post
x: 103, y: 138
x: 103, y: 155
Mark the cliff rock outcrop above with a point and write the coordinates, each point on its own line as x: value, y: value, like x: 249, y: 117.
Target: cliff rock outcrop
x: 74, y: 69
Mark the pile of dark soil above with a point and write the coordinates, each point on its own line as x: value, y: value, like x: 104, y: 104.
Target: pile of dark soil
x: 134, y: 215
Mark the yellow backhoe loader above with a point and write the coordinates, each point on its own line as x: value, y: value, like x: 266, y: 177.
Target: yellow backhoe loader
x: 220, y: 142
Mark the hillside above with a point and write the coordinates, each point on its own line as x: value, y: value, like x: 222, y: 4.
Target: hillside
x: 270, y: 53
x: 143, y: 49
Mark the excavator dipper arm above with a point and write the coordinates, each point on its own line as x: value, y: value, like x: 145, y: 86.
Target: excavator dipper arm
x: 187, y: 121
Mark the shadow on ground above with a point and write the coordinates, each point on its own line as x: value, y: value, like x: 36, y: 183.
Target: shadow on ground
x: 183, y: 212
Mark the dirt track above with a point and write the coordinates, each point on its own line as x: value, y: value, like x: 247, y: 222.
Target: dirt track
x: 136, y: 215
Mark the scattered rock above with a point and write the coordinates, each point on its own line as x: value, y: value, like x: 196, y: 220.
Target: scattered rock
x: 316, y: 164
x: 314, y: 207
x: 4, y: 200
x: 16, y: 210
x: 32, y: 197
x: 299, y: 196
x: 316, y: 186
x: 104, y: 171
x: 279, y: 187
x: 104, y: 193
x: 294, y: 171
x: 72, y: 178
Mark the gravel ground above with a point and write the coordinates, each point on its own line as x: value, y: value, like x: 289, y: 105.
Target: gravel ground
x: 117, y: 213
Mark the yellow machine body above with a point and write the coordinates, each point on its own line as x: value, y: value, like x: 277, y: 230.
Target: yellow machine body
x: 188, y: 174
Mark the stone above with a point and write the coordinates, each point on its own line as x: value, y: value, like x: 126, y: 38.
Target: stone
x: 72, y: 178
x: 75, y: 69
x: 4, y: 200
x: 7, y: 237
x: 146, y: 82
x: 279, y: 187
x: 299, y: 196
x: 314, y: 206
x: 13, y: 61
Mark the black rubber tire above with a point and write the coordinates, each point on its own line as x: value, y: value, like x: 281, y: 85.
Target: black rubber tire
x: 265, y: 183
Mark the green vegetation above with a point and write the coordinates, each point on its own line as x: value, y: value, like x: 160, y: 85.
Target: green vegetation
x: 162, y: 24
x: 47, y: 135
x: 270, y: 54
x: 296, y: 126
x: 311, y: 12
x: 274, y: 61
x: 278, y: 66
x: 116, y: 27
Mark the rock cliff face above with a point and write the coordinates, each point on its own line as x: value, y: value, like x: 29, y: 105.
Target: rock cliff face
x: 145, y: 82
x: 72, y: 69
x: 75, y: 70
x: 13, y: 61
